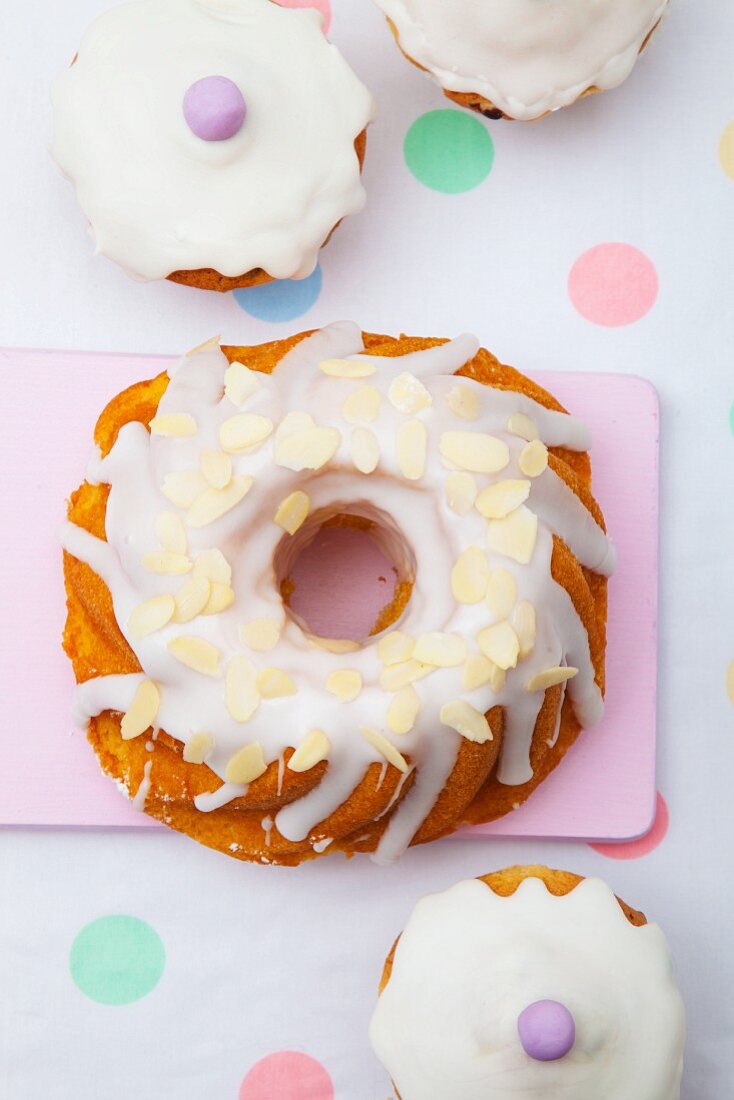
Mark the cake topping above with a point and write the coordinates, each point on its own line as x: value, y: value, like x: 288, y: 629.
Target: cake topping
x: 214, y: 108
x: 547, y: 1031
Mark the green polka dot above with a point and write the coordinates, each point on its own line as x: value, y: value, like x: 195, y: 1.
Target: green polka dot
x: 117, y: 960
x: 449, y: 151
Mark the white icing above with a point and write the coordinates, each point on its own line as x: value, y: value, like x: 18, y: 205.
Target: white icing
x: 527, y: 57
x: 421, y: 533
x: 158, y: 198
x: 470, y: 961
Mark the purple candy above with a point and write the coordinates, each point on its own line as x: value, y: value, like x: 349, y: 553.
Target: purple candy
x: 214, y: 108
x: 547, y: 1031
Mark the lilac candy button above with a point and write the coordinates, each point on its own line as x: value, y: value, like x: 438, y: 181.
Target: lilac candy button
x: 214, y: 108
x: 547, y: 1031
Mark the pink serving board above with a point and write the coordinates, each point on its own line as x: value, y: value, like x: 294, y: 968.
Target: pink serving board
x: 605, y: 788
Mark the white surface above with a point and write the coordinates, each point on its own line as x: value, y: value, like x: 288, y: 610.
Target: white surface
x: 297, y: 953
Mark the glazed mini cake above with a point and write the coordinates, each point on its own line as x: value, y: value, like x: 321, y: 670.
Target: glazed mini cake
x: 530, y: 983
x: 217, y: 143
x: 218, y: 709
x: 522, y: 59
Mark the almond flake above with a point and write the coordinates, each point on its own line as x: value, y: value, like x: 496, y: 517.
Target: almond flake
x: 365, y: 450
x: 314, y: 748
x: 500, y: 643
x: 273, y: 683
x: 196, y: 653
x: 476, y: 672
x: 171, y: 532
x: 523, y: 620
x: 292, y: 511
x: 151, y: 615
x: 240, y: 383
x: 143, y: 711
x: 385, y: 748
x: 461, y: 492
x: 347, y: 368
x: 240, y: 689
x: 362, y: 405
x: 469, y: 576
x: 403, y: 710
x: 308, y: 449
x: 221, y: 596
x: 395, y: 677
x: 247, y: 765
x: 192, y: 598
x: 197, y: 748
x: 174, y: 425
x: 440, y: 649
x: 292, y: 422
x: 395, y: 647
x: 533, y: 460
x: 522, y: 425
x: 498, y: 500
x: 501, y: 593
x: 514, y: 536
x: 213, y: 565
x: 549, y: 677
x: 464, y: 402
x: 182, y: 487
x: 261, y: 634
x: 408, y: 395
x: 244, y: 433
x: 163, y: 561
x: 214, y: 503
x: 410, y: 449
x: 345, y: 683
x: 475, y: 451
x: 216, y: 467
x: 333, y: 645
x: 466, y: 720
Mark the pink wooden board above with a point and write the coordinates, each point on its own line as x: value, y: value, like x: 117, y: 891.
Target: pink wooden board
x: 605, y: 788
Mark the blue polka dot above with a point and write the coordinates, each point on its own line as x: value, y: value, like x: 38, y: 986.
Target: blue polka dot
x: 281, y: 300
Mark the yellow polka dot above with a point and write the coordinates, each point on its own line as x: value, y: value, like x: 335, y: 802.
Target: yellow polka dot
x: 726, y: 150
x: 730, y: 682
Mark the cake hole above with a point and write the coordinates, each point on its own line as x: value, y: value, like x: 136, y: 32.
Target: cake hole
x: 345, y: 575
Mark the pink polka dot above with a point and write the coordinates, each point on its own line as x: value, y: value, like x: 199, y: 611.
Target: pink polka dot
x: 634, y: 849
x: 287, y: 1075
x: 324, y: 6
x: 613, y: 284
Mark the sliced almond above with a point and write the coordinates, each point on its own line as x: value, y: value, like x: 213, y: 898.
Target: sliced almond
x: 333, y: 645
x: 240, y: 383
x: 475, y: 451
x: 174, y: 425
x: 501, y: 593
x: 244, y: 433
x: 247, y: 765
x: 549, y: 677
x: 385, y: 748
x: 408, y: 395
x: 196, y: 653
x: 143, y: 711
x: 403, y: 710
x: 221, y: 596
x: 464, y: 402
x: 440, y: 649
x: 171, y: 532
x: 192, y: 598
x: 514, y: 536
x: 292, y: 511
x: 365, y: 450
x: 499, y: 642
x: 213, y: 565
x: 216, y: 467
x: 466, y: 720
x: 308, y: 449
x: 498, y: 500
x: 469, y: 576
x: 151, y: 615
x: 241, y: 695
x: 182, y: 487
x: 347, y: 368
x: 395, y: 647
x: 476, y: 672
x: 362, y: 406
x: 523, y: 620
x: 273, y: 683
x: 214, y: 503
x: 461, y: 492
x: 345, y: 684
x: 395, y: 677
x: 261, y: 634
x: 410, y: 449
x: 533, y: 460
x: 163, y: 561
x: 292, y: 422
x: 314, y: 748
x: 522, y: 425
x: 197, y: 748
